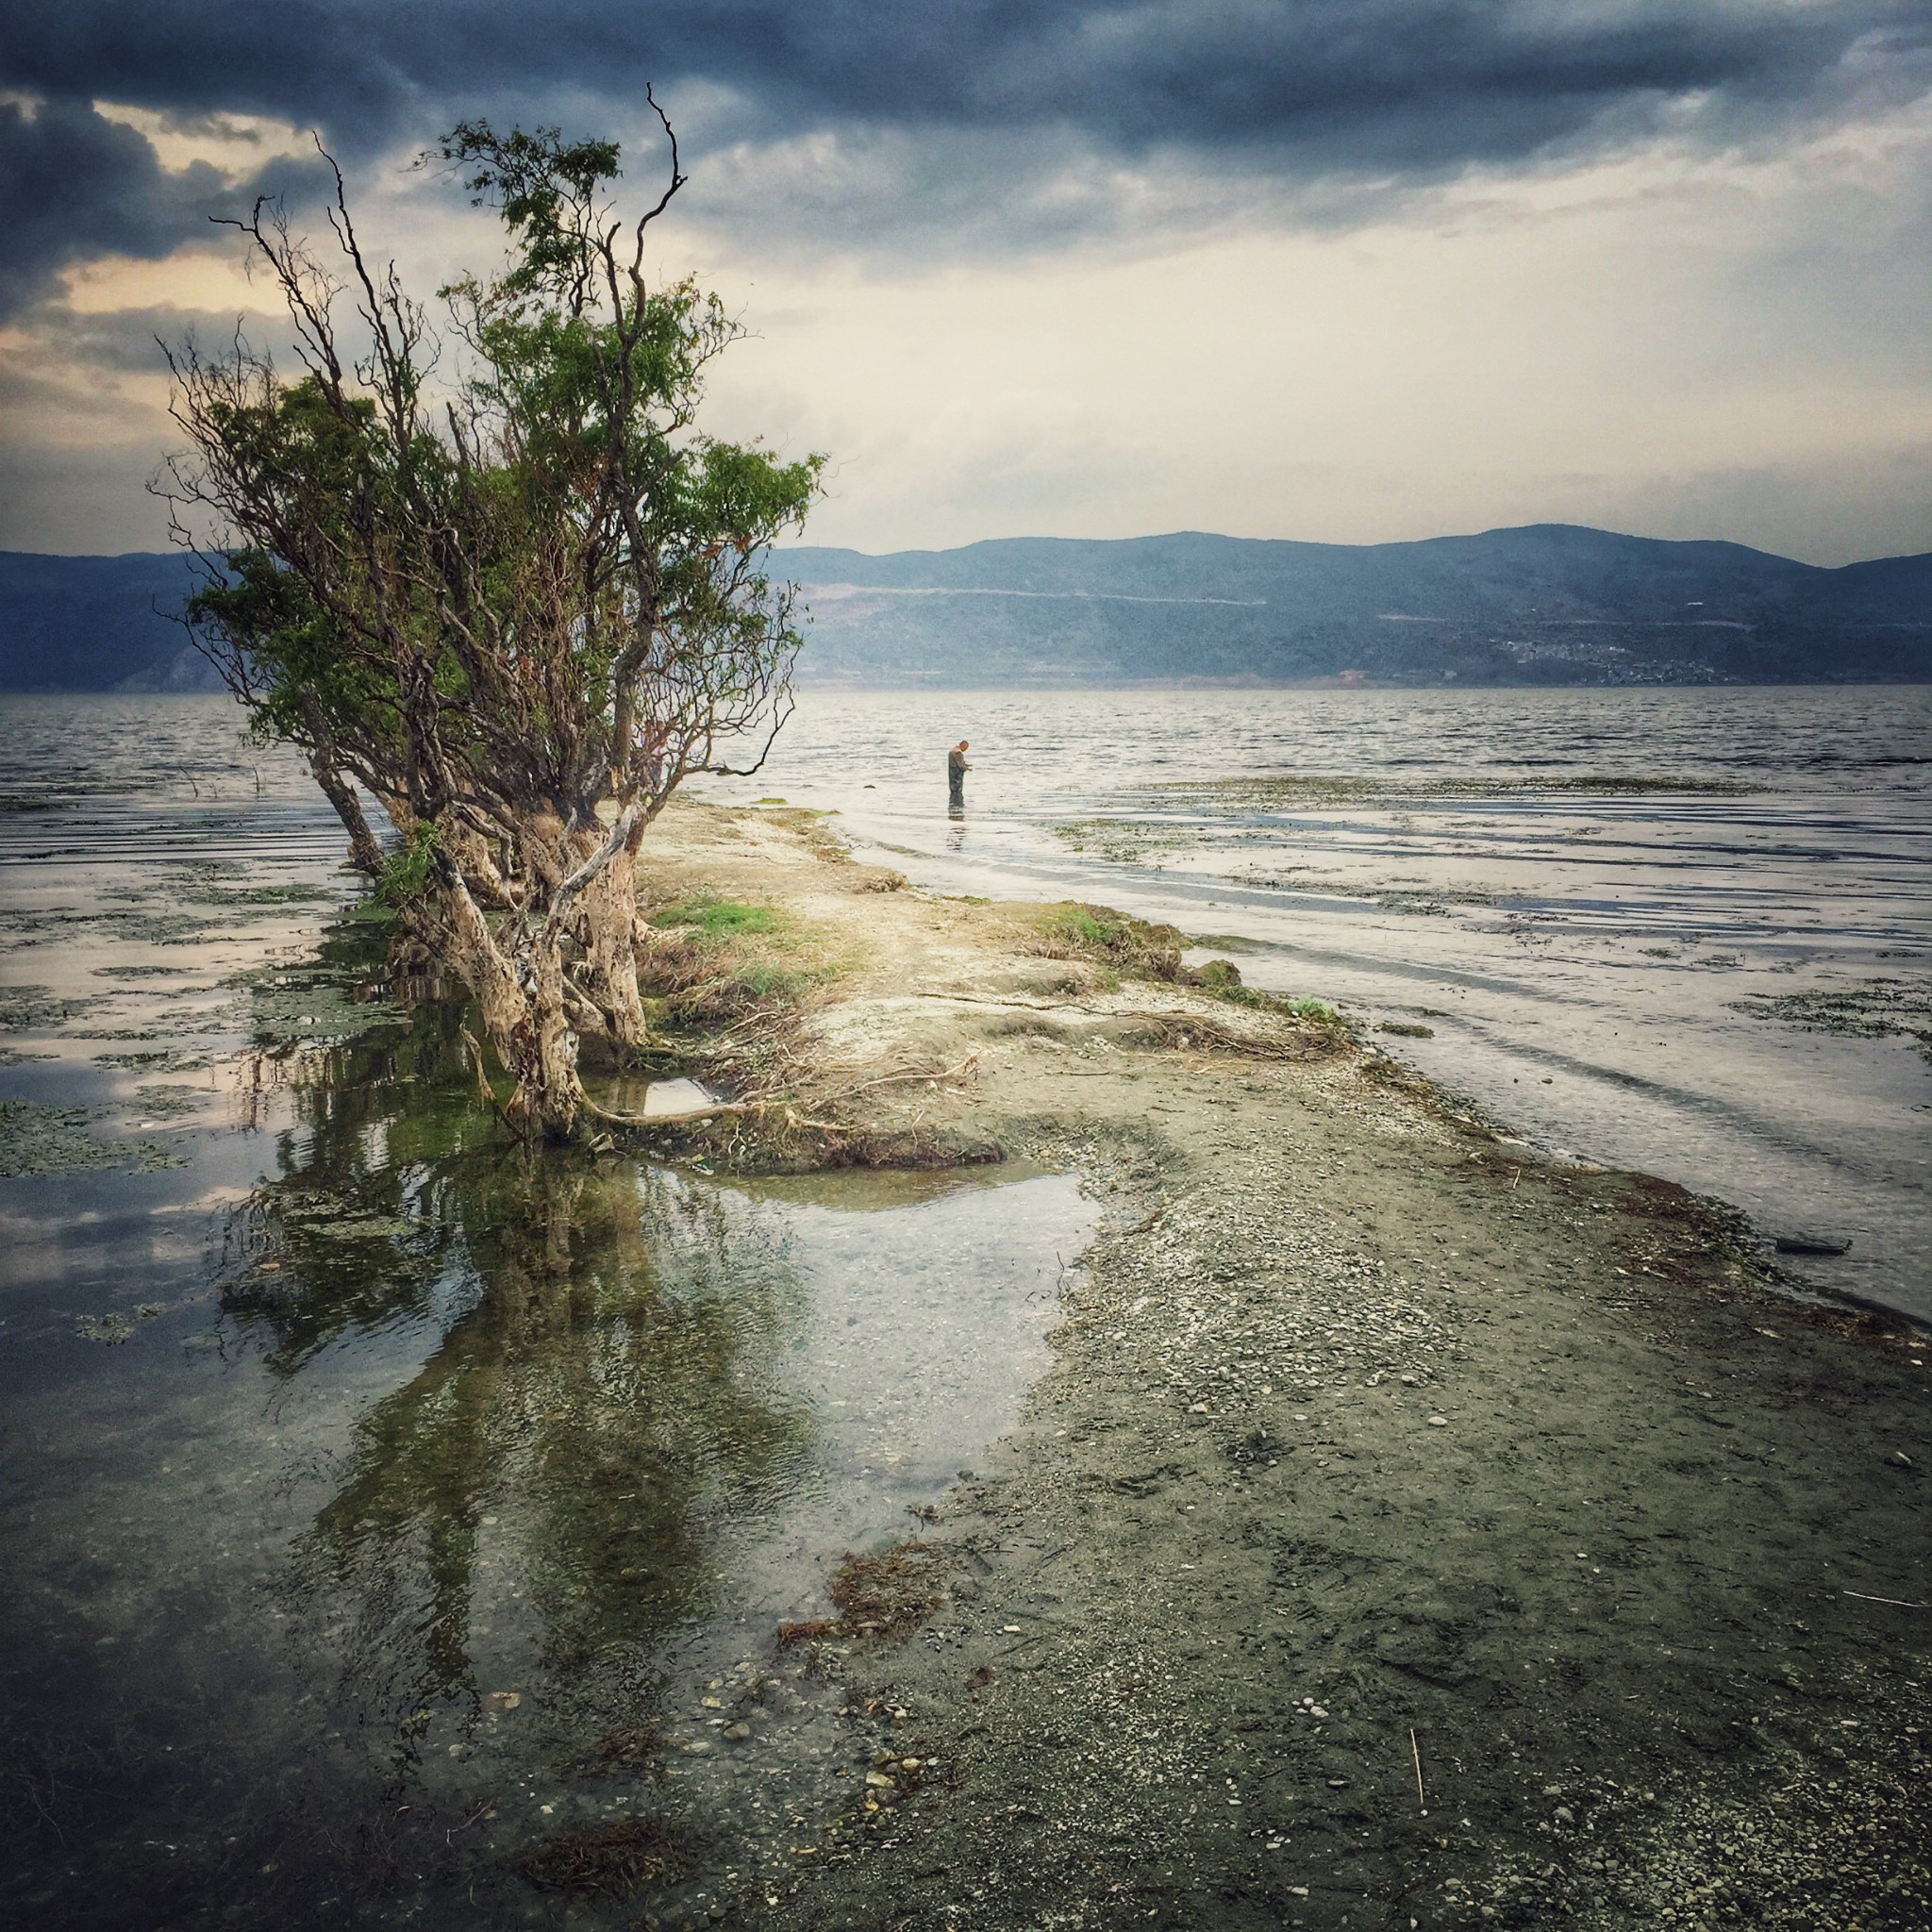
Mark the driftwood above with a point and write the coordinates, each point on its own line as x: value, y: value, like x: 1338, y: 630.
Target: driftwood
x: 771, y: 1103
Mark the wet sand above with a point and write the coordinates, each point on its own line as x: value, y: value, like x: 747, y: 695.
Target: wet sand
x: 1410, y: 1531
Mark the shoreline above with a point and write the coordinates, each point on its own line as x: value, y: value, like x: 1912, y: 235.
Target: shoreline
x: 1521, y: 1476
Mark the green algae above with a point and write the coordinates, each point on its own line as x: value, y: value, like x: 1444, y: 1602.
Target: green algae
x: 1874, y: 1009
x: 1294, y: 789
x: 1122, y: 841
x: 170, y: 1103
x: 37, y: 1008
x: 38, y: 1138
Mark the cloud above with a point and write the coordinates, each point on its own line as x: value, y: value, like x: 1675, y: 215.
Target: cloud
x: 75, y: 185
x: 1347, y: 268
x: 963, y: 129
x: 1008, y: 91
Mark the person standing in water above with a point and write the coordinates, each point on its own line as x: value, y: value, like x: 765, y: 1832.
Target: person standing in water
x: 957, y: 769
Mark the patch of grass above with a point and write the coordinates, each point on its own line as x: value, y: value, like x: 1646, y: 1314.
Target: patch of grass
x: 717, y: 919
x: 301, y: 1005
x: 1072, y: 930
x: 170, y: 1103
x: 174, y: 1060
x: 38, y: 1139
x: 1310, y: 1011
x: 813, y: 825
x: 1228, y: 943
x: 715, y: 960
x: 266, y: 895
x: 764, y: 981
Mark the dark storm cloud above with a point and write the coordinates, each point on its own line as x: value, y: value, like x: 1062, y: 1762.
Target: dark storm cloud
x: 991, y: 94
x: 75, y: 186
x: 1364, y: 82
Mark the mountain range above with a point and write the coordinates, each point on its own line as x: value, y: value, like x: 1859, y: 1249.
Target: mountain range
x: 1551, y: 603
x: 1546, y: 603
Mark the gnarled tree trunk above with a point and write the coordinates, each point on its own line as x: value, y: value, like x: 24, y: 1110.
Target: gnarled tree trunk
x: 609, y: 911
x: 522, y: 1010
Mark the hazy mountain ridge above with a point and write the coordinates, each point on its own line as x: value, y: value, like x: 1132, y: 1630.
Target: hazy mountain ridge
x: 97, y: 624
x: 1543, y: 604
x: 1547, y: 603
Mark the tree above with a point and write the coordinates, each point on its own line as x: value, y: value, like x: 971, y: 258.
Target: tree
x: 516, y: 599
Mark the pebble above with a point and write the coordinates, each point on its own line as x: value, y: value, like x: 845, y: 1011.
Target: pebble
x: 1438, y: 1421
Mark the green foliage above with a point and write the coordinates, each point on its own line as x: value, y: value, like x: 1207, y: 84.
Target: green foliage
x: 762, y: 981
x: 293, y: 654
x: 528, y: 586
x: 406, y: 873
x: 537, y: 181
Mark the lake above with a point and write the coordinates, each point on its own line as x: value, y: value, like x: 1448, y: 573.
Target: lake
x: 1687, y: 930
x: 381, y: 1505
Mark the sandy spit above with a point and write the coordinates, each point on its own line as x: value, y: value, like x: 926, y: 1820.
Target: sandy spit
x: 1412, y: 1532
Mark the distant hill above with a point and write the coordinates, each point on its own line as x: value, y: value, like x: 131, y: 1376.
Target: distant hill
x: 97, y: 624
x: 1549, y: 603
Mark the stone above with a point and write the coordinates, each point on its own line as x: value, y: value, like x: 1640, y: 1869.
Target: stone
x: 1801, y: 1242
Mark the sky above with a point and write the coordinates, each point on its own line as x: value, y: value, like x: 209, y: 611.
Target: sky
x: 1352, y: 271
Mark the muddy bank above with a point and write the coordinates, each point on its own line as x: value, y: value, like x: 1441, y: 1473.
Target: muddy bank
x: 1410, y: 1532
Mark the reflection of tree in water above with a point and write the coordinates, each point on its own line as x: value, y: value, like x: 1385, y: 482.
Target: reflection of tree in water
x: 588, y: 1392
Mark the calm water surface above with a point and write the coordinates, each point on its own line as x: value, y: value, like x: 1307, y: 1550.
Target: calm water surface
x: 1683, y: 930
x: 379, y: 1502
